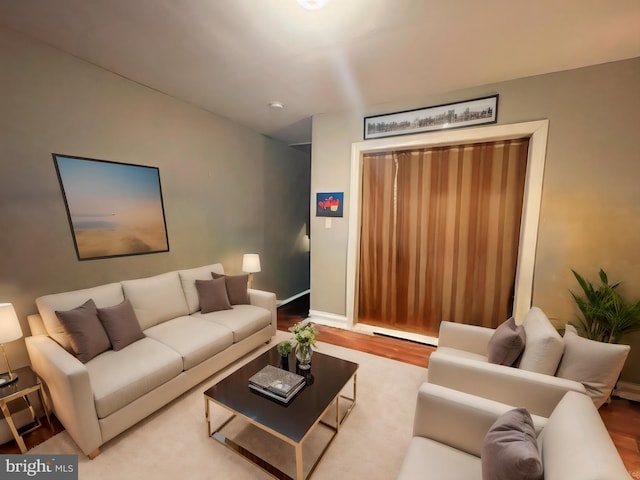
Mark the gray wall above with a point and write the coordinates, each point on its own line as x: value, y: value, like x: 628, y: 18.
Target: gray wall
x: 227, y: 190
x: 590, y: 212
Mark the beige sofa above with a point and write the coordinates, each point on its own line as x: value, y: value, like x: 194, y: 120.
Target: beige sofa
x: 99, y: 399
x: 450, y: 428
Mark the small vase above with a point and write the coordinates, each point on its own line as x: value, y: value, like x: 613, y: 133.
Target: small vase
x: 303, y: 354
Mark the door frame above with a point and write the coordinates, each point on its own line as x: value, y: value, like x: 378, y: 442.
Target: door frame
x: 536, y: 131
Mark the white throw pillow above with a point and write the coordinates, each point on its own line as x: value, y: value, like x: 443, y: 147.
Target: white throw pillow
x: 597, y: 365
x: 544, y: 345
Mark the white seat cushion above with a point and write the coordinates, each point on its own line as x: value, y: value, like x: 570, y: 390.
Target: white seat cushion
x: 543, y: 346
x: 242, y: 320
x: 195, y: 339
x: 119, y: 378
x: 427, y: 458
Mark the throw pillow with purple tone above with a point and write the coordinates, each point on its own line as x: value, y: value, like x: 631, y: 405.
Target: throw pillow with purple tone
x: 121, y: 324
x: 212, y: 295
x: 507, y: 344
x: 86, y: 334
x: 510, y: 449
x: 237, y: 287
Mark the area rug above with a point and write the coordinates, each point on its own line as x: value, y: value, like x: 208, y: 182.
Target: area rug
x: 173, y: 443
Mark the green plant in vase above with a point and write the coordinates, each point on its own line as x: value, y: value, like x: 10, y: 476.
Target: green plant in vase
x: 304, y: 334
x: 606, y: 315
x: 285, y: 347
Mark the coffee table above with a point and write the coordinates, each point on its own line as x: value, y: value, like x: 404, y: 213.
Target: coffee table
x: 291, y: 422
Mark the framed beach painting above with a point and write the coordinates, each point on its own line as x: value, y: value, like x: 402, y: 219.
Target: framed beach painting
x: 114, y: 209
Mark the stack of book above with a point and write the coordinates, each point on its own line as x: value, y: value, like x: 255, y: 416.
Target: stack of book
x: 277, y: 383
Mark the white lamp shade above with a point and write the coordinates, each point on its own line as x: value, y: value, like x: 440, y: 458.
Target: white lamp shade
x: 251, y: 263
x: 9, y: 324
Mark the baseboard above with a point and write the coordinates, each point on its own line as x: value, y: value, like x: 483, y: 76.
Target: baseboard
x: 279, y: 303
x: 328, y: 319
x: 341, y: 321
x: 627, y: 390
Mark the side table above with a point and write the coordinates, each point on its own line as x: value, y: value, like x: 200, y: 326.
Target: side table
x: 27, y: 383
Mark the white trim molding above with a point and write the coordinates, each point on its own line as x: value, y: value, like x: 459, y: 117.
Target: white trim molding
x: 536, y: 131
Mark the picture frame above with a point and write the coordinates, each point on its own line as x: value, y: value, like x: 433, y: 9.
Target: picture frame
x: 329, y: 204
x: 114, y: 209
x: 477, y: 111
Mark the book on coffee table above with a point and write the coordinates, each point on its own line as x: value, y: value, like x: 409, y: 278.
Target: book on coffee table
x: 277, y: 383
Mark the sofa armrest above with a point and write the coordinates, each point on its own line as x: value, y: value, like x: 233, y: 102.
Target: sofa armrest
x: 267, y: 300
x: 457, y: 419
x: 537, y: 392
x: 67, y: 383
x: 469, y: 338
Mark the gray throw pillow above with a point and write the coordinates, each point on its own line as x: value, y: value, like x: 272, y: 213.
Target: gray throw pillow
x: 86, y: 334
x: 507, y: 343
x: 121, y: 324
x: 237, y: 287
x: 212, y: 295
x: 510, y: 449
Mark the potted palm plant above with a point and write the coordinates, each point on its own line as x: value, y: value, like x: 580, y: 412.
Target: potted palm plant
x: 606, y: 315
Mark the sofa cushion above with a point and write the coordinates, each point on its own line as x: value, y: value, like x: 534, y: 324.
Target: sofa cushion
x: 506, y: 344
x: 156, y: 299
x: 188, y: 279
x: 195, y: 339
x: 121, y: 324
x: 103, y: 296
x: 242, y: 320
x: 84, y: 330
x: 119, y: 378
x: 426, y: 458
x: 237, y: 287
x: 596, y: 365
x: 212, y: 295
x: 544, y: 345
x: 510, y: 448
x: 575, y: 443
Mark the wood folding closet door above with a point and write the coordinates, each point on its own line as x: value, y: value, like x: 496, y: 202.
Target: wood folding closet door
x: 439, y: 235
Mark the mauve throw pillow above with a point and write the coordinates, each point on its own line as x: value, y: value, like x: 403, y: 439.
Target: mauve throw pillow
x: 506, y: 344
x: 510, y: 449
x: 86, y: 334
x: 237, y: 287
x: 212, y: 295
x: 121, y: 324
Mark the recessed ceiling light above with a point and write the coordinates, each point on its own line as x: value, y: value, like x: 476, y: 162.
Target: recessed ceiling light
x: 276, y: 104
x: 313, y: 4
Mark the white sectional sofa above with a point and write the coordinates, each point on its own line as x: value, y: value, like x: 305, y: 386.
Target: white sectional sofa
x: 181, y: 346
x: 450, y: 430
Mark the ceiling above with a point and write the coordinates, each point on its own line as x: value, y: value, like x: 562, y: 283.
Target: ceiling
x: 233, y: 57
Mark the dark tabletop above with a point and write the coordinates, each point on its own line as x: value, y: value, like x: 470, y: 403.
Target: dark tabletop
x: 325, y: 380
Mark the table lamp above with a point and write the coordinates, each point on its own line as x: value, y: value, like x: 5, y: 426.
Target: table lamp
x: 9, y: 331
x: 251, y: 265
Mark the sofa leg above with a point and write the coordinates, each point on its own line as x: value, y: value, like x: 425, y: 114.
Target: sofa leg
x: 94, y: 454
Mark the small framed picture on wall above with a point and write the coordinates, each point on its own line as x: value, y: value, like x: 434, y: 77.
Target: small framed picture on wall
x: 329, y: 204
